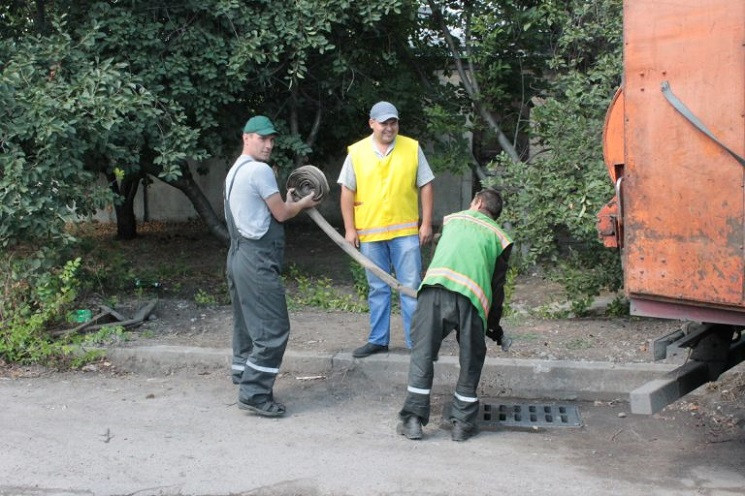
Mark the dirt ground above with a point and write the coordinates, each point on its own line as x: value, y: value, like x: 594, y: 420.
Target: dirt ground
x: 188, y: 266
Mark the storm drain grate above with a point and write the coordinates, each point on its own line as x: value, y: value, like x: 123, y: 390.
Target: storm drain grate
x: 528, y: 415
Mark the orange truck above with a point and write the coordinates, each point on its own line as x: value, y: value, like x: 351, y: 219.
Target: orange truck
x: 674, y: 143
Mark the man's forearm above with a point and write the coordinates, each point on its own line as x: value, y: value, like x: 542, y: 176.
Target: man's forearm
x: 427, y: 194
x: 347, y: 208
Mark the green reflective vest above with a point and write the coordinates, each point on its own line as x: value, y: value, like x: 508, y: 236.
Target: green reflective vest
x: 465, y: 257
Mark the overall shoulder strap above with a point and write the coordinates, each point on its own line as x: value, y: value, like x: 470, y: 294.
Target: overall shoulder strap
x: 226, y: 192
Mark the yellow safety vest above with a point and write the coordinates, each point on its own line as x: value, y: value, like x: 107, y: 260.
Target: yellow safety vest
x: 386, y: 203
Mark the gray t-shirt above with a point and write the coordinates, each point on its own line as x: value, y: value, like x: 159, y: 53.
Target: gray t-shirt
x: 253, y: 183
x: 423, y: 171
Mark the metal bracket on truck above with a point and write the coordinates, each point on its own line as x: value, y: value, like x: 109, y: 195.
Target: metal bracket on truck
x: 712, y: 349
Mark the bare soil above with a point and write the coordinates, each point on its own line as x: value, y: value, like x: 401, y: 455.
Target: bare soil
x: 187, y: 265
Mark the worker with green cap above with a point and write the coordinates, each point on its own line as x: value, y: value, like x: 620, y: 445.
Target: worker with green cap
x: 254, y: 212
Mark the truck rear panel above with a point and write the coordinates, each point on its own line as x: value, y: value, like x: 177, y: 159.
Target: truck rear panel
x: 682, y: 195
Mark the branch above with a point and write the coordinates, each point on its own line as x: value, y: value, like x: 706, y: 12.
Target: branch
x: 41, y: 17
x: 522, y: 102
x: 293, y: 110
x: 186, y: 184
x: 295, y: 125
x: 469, y: 57
x: 113, y: 183
x: 440, y: 20
x: 471, y: 85
x: 411, y: 61
x: 313, y: 134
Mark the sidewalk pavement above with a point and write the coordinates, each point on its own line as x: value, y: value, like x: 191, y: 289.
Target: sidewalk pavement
x: 515, y: 378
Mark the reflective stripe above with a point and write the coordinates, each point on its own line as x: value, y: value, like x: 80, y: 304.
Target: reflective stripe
x: 268, y: 370
x: 238, y: 367
x: 396, y: 227
x: 504, y: 240
x: 466, y: 398
x: 414, y: 390
x: 463, y: 280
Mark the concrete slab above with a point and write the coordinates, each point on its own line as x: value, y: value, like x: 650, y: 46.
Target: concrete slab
x: 517, y: 378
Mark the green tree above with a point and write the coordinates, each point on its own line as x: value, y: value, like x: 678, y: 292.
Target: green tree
x: 211, y: 64
x: 539, y: 75
x: 61, y: 112
x: 137, y: 89
x: 555, y: 195
x: 208, y: 65
x: 499, y: 50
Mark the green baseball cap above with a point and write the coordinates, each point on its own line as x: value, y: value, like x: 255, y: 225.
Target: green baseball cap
x: 260, y: 125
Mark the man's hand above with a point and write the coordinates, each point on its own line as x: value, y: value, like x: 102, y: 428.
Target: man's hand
x: 352, y: 237
x: 425, y: 234
x: 498, y: 335
x: 304, y: 202
x: 495, y: 334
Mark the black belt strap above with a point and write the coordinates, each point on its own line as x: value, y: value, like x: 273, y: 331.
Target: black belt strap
x: 685, y: 112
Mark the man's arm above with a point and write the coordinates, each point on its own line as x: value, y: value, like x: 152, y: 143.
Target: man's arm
x: 425, y: 182
x: 497, y: 286
x: 427, y: 194
x: 284, y: 210
x: 347, y: 213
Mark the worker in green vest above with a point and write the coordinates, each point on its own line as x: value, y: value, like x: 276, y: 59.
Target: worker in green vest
x: 463, y: 290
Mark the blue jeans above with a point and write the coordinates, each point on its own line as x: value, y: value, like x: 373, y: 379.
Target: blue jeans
x: 403, y: 255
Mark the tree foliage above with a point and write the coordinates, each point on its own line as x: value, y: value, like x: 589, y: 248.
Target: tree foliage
x: 62, y: 113
x: 554, y: 197
x: 207, y: 66
x: 139, y: 89
x: 499, y: 50
x: 538, y: 76
x: 66, y: 114
x: 127, y: 90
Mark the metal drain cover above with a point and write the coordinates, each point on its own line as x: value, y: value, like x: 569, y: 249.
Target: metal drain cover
x: 524, y: 415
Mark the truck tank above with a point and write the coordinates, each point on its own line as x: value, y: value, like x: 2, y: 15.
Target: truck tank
x: 674, y: 142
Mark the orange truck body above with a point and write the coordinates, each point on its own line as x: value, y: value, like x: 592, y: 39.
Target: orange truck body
x: 679, y: 211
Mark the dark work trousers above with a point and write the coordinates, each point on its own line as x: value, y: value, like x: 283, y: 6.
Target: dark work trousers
x: 438, y: 312
x: 261, y: 325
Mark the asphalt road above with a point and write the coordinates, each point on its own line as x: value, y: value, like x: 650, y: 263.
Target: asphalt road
x: 181, y: 434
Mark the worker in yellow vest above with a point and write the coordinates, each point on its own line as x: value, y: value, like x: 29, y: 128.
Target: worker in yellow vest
x: 463, y: 290
x: 381, y: 181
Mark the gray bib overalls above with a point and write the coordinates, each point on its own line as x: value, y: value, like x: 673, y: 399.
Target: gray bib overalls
x: 261, y: 324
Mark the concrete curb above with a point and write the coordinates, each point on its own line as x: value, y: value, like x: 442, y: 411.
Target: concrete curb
x: 517, y: 378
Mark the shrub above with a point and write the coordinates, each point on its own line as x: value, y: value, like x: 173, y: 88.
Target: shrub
x: 34, y: 299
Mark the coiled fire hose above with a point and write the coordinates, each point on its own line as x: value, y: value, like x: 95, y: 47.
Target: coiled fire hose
x: 309, y: 179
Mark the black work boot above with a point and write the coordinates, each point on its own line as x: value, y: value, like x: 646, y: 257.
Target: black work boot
x: 461, y: 431
x: 411, y: 427
x: 369, y: 349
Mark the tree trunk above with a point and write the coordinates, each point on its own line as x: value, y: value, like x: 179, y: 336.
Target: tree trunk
x: 470, y: 83
x: 193, y: 192
x: 41, y: 18
x: 300, y: 159
x: 126, y: 222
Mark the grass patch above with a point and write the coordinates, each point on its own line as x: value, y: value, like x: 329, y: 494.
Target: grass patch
x: 319, y: 292
x: 578, y: 344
